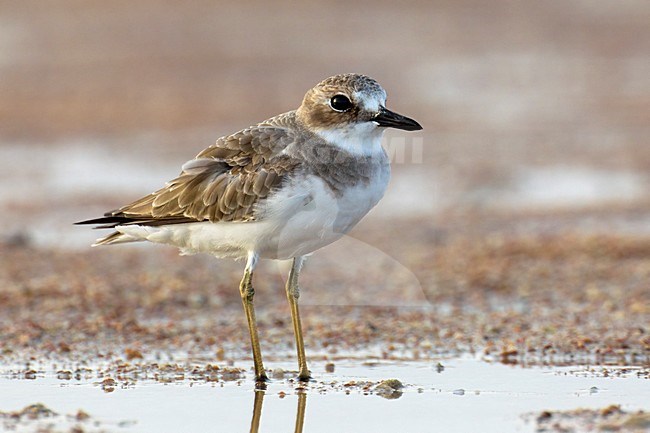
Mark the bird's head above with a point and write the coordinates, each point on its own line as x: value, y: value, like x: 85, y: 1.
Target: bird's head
x: 350, y: 110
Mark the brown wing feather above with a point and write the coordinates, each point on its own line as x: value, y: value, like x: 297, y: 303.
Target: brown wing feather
x: 224, y: 182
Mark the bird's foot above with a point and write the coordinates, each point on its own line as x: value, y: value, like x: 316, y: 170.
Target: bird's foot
x: 261, y: 381
x: 304, y: 377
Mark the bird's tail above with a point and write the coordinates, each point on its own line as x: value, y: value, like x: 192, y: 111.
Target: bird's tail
x: 115, y: 238
x: 109, y: 222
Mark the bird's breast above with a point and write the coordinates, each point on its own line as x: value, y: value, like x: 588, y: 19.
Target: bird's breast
x: 354, y: 201
x: 308, y: 213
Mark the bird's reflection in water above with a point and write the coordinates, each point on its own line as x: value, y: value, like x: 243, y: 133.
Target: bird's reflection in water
x: 257, y: 411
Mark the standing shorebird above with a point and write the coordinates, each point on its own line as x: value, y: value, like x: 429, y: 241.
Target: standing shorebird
x: 280, y: 190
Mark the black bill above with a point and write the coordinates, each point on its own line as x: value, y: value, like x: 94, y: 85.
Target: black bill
x: 391, y: 119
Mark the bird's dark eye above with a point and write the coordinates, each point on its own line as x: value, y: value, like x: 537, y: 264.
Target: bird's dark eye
x: 340, y: 103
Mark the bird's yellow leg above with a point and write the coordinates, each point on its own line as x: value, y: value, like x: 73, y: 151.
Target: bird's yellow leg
x: 247, y: 293
x: 293, y: 293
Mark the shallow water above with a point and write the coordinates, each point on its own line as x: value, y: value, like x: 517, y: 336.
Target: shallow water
x: 467, y: 394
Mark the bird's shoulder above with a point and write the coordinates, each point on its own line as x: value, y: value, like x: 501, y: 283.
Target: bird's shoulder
x: 264, y: 140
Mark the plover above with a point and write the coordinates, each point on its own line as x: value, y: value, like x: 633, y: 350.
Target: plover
x: 280, y: 190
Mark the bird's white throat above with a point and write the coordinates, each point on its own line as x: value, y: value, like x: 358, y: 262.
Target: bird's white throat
x: 362, y: 139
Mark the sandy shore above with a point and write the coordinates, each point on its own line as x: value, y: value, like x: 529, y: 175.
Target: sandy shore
x: 518, y: 297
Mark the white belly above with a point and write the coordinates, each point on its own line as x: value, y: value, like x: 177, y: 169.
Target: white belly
x: 296, y: 221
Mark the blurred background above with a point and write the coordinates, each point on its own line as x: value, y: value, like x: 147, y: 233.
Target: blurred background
x: 527, y: 106
x: 529, y: 183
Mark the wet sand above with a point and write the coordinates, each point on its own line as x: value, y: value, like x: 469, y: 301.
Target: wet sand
x: 561, y: 298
